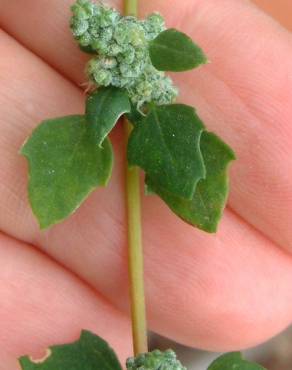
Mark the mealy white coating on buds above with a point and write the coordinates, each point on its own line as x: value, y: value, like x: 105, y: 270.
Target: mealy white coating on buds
x: 120, y: 45
x: 155, y: 360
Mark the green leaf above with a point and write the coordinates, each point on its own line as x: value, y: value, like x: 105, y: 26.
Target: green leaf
x: 103, y: 109
x: 90, y: 352
x: 87, y: 49
x: 205, y: 209
x: 65, y: 166
x: 233, y: 361
x: 166, y: 144
x: 134, y: 116
x: 174, y: 51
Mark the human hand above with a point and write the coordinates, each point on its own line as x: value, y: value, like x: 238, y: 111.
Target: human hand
x: 220, y: 292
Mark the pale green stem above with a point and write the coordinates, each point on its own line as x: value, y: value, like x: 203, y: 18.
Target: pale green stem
x: 131, y: 7
x: 136, y: 270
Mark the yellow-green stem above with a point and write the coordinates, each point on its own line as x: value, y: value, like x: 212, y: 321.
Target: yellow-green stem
x: 131, y: 7
x: 135, y: 253
x: 135, y: 248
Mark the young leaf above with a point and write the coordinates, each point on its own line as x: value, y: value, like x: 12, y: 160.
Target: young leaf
x: 65, y: 166
x: 174, y: 51
x: 166, y: 144
x: 205, y: 209
x: 90, y: 352
x: 234, y: 361
x: 103, y: 109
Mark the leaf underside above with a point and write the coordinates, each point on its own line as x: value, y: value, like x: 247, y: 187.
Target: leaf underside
x: 90, y: 352
x: 65, y: 166
x: 103, y: 109
x: 205, y: 209
x: 233, y: 361
x: 166, y: 144
x: 174, y: 51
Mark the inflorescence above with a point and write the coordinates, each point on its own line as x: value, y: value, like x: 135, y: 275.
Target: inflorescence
x: 120, y: 51
x: 155, y: 360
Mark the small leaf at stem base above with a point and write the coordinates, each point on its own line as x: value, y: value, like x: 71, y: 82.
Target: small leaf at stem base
x: 90, y: 352
x: 234, y: 361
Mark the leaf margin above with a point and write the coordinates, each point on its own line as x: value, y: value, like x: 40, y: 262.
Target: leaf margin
x: 162, y: 59
x: 101, y: 123
x: 183, y: 207
x: 27, y: 363
x: 23, y: 151
x: 137, y: 158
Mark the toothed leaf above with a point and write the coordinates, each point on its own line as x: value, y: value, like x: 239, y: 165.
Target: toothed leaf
x: 65, y: 166
x: 205, y: 209
x: 166, y: 144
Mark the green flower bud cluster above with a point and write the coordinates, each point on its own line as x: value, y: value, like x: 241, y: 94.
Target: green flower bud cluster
x: 120, y: 45
x: 155, y: 360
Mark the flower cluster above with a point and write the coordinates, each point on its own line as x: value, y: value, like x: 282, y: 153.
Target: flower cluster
x: 120, y: 48
x: 155, y: 360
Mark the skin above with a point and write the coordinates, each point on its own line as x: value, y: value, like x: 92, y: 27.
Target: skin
x: 220, y: 292
x: 281, y: 9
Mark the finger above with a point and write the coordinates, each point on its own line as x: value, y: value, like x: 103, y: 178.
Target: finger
x: 245, y: 94
x: 43, y: 304
x: 202, y: 290
x: 53, y: 40
x: 281, y: 10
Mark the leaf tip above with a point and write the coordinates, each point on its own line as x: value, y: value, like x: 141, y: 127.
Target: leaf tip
x: 22, y: 150
x: 211, y: 229
x: 206, y: 61
x: 44, y: 226
x: 233, y: 156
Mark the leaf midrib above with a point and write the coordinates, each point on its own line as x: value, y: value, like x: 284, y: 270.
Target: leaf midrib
x: 175, y: 51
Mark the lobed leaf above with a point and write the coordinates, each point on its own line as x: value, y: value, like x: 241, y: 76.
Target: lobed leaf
x: 233, y: 361
x: 205, y: 209
x: 174, y: 51
x: 103, y: 109
x: 90, y: 352
x: 166, y: 144
x: 65, y: 165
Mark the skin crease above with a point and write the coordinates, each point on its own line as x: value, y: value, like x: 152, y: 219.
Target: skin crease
x: 221, y: 292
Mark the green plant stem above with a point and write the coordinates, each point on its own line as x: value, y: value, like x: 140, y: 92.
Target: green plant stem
x: 138, y: 311
x: 136, y: 270
x: 131, y: 7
